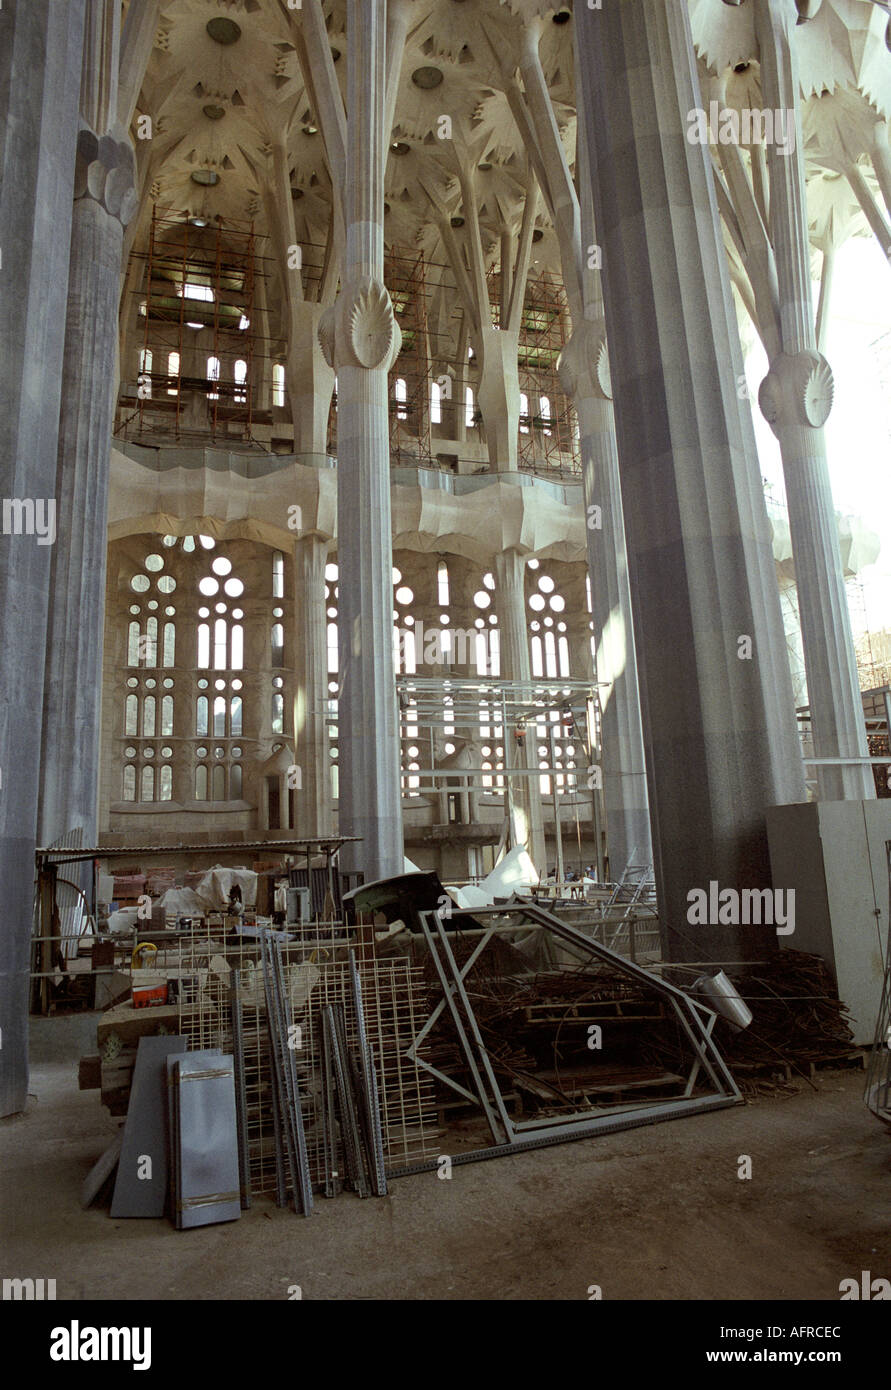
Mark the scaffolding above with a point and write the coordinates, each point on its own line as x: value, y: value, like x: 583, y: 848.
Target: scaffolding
x: 196, y: 277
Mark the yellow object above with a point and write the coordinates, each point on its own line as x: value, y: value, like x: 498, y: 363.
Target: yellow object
x: 138, y: 950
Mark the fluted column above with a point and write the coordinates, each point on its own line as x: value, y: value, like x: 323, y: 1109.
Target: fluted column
x: 715, y: 697
x: 104, y: 203
x: 361, y: 339
x: 510, y: 602
x: 796, y: 398
x: 311, y: 740
x: 40, y: 61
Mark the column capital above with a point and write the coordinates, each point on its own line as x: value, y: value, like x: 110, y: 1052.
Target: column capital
x: 105, y: 172
x: 797, y: 390
x: 583, y: 364
x: 360, y: 328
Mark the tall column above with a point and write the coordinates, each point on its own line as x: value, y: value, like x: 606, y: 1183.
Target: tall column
x: 510, y: 601
x: 40, y: 59
x: 584, y: 375
x: 716, y: 702
x: 361, y: 339
x: 796, y: 398
x: 310, y: 382
x: 104, y: 201
x: 311, y: 740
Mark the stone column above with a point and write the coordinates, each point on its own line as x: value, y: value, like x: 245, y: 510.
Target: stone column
x: 104, y: 202
x: 715, y: 695
x: 361, y: 339
x: 584, y: 375
x: 310, y: 385
x: 796, y: 398
x: 40, y: 61
x: 510, y: 601
x: 499, y: 395
x: 314, y: 812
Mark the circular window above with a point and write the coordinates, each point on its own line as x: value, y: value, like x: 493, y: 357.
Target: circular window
x: 166, y: 752
x: 413, y: 751
x: 537, y: 603
x: 487, y: 751
x: 450, y: 748
x: 219, y: 685
x: 334, y: 752
x: 479, y: 623
x: 203, y: 612
x: 278, y: 682
x: 549, y: 622
x: 397, y: 575
x: 207, y: 541
x: 139, y: 583
x: 168, y: 541
x: 533, y: 564
x: 444, y: 618
x: 208, y: 586
x: 481, y: 599
x: 154, y: 563
x: 238, y: 613
x: 220, y: 607
x: 150, y: 683
x: 170, y: 610
x: 546, y: 584
x: 234, y: 588
x: 561, y: 627
x: 404, y: 594
x: 489, y: 581
x: 331, y: 573
x: 148, y: 752
x: 132, y: 682
x: 202, y: 684
x: 219, y: 752
x: 236, y: 685
x: 558, y: 603
x: 129, y: 752
x: 236, y: 752
x: 331, y: 612
x: 408, y: 620
x: 166, y: 584
x: 152, y: 604
x: 278, y: 612
x: 201, y: 752
x: 135, y: 609
x: 221, y: 565
x: 332, y: 687
x: 168, y: 684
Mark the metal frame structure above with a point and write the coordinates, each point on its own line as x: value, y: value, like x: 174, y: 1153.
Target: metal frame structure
x: 877, y: 1092
x: 513, y: 1136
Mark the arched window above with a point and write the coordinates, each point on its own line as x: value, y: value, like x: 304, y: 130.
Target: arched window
x: 172, y: 371
x: 545, y: 407
x: 550, y: 647
x: 278, y: 574
x: 235, y: 782
x: 169, y: 644
x: 219, y: 717
x: 131, y: 716
x: 167, y: 716
x: 201, y: 719
x: 442, y: 584
x: 278, y: 384
x: 278, y: 714
x: 235, y: 716
x: 524, y: 413
x: 332, y: 649
x: 133, y: 644
x: 203, y: 645
x: 435, y: 403
x: 148, y: 719
x: 145, y: 359
x: 237, y: 647
x: 240, y: 392
x: 219, y: 644
x: 151, y: 642
x: 219, y: 782
x: 278, y: 644
x: 537, y: 667
x: 201, y: 782
x: 166, y: 783
x: 213, y: 374
x: 129, y: 783
x: 148, y: 784
x: 563, y: 650
x: 468, y: 407
x: 401, y: 394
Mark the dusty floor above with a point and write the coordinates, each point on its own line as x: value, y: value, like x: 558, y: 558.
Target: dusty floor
x: 656, y: 1213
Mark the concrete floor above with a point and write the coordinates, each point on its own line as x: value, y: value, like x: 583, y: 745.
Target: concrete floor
x: 656, y: 1213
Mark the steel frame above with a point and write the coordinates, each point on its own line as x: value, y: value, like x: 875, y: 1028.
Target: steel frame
x: 509, y: 1135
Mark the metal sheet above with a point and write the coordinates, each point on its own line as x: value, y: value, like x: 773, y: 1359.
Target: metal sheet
x: 208, y: 1189
x: 141, y: 1184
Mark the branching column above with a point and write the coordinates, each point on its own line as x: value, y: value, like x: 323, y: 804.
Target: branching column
x: 361, y: 339
x: 795, y: 398
x: 717, y: 712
